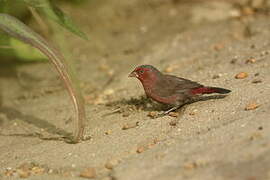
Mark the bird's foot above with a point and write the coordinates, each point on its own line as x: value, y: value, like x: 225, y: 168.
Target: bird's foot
x: 170, y: 110
x: 166, y: 112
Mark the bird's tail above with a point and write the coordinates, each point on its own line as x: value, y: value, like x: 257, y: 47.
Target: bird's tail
x: 210, y: 90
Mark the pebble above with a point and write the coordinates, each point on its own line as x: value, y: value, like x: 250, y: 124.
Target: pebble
x: 173, y: 123
x: 170, y: 68
x: 241, y: 75
x: 251, y: 60
x: 152, y: 114
x: 108, y: 178
x: 111, y: 163
x: 108, y: 92
x: 140, y: 149
x: 251, y: 106
x: 88, y: 173
x: 218, y: 47
x: 190, y: 165
x: 255, y: 81
x: 126, y: 114
x: 130, y: 125
x: 255, y: 136
x: 246, y: 11
x: 194, y: 112
x: 23, y: 173
x: 38, y: 170
x: 108, y: 132
x: 216, y: 76
x: 173, y: 114
x: 234, y: 60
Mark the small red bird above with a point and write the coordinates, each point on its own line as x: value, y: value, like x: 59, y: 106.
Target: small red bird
x: 170, y: 90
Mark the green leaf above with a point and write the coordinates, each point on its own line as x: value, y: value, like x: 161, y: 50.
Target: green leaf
x: 56, y: 14
x: 20, y: 31
x: 25, y: 52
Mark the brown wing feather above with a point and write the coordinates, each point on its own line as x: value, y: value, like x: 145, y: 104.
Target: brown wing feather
x: 170, y: 85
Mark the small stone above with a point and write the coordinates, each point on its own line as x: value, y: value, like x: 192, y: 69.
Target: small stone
x: 173, y: 114
x: 255, y: 81
x: 218, y: 47
x: 263, y: 53
x: 23, y: 173
x: 246, y: 11
x: 260, y: 128
x: 111, y: 163
x: 125, y: 114
x: 170, y: 68
x: 190, y: 165
x: 108, y: 178
x: 241, y: 75
x: 37, y: 170
x: 10, y: 172
x: 108, y: 132
x: 251, y: 106
x: 130, y: 125
x: 173, y: 123
x: 192, y: 113
x: 152, y: 114
x: 88, y: 173
x: 251, y: 60
x: 255, y: 136
x: 216, y: 76
x: 256, y: 74
x: 233, y: 61
x: 108, y: 92
x: 140, y: 149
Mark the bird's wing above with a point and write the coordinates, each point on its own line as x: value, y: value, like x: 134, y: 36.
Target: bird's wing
x: 172, y: 85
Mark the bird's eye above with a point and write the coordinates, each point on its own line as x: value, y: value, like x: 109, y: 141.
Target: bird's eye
x: 140, y: 71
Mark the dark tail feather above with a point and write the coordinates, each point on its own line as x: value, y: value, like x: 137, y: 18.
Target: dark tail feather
x: 210, y: 90
x: 219, y: 90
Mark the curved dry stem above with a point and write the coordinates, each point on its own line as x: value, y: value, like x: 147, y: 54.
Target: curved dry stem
x: 18, y: 30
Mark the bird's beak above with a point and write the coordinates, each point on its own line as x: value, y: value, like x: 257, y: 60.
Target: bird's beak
x: 133, y: 74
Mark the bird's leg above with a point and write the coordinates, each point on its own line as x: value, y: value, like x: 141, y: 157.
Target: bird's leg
x: 170, y: 110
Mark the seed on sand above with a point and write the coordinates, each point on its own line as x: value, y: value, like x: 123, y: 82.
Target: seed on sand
x: 152, y: 114
x: 23, y: 173
x: 173, y: 123
x: 108, y: 132
x: 251, y: 106
x: 255, y: 81
x: 190, y: 165
x: 88, y: 173
x: 140, y: 149
x: 251, y: 60
x: 218, y: 47
x: 111, y: 163
x: 174, y: 114
x: 241, y: 75
x: 130, y: 125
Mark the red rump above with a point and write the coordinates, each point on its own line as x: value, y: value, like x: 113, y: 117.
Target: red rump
x: 202, y: 90
x: 209, y: 90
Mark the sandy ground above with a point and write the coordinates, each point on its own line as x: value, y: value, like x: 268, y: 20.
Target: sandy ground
x: 216, y: 139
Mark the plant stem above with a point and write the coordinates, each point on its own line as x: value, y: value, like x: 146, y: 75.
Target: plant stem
x: 17, y: 29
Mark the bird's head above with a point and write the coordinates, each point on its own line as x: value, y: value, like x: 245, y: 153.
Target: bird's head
x: 145, y: 72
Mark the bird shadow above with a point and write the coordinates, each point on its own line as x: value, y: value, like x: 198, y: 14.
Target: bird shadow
x: 59, y: 134
x: 146, y: 104
x: 206, y: 98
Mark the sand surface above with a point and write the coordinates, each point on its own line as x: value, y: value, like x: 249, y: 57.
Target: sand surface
x: 215, y: 139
